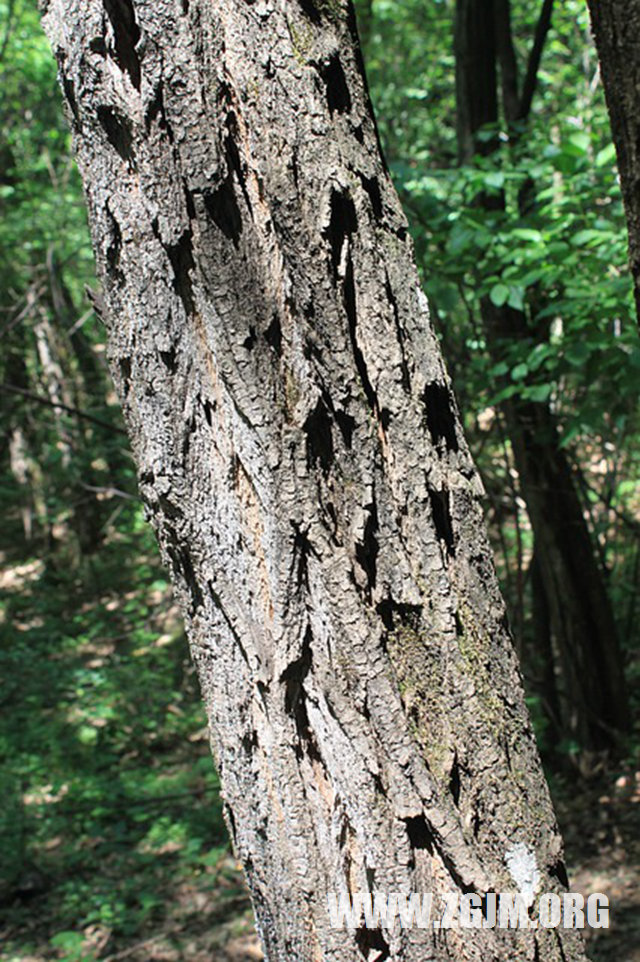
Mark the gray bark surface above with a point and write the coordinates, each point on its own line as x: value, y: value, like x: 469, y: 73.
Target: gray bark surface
x: 302, y: 461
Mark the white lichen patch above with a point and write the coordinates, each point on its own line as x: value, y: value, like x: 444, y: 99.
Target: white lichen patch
x: 523, y: 869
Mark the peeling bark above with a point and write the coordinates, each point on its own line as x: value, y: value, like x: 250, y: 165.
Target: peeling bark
x: 301, y: 458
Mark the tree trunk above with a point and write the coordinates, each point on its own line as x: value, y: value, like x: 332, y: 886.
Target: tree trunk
x: 582, y: 622
x: 301, y: 458
x: 616, y: 28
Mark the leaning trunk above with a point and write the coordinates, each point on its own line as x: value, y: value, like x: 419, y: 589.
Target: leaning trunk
x: 301, y: 459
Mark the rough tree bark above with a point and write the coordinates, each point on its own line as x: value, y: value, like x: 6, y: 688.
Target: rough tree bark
x: 595, y: 706
x: 616, y: 28
x: 303, y: 465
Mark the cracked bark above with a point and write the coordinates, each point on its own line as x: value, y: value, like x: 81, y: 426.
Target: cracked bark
x: 302, y: 462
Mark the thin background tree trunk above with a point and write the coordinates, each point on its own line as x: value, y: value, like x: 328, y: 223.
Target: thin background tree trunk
x: 595, y: 706
x: 616, y: 28
x: 302, y: 462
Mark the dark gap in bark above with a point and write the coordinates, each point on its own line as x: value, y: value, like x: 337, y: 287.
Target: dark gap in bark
x: 183, y: 567
x: 208, y: 408
x: 222, y: 208
x: 215, y: 597
x: 293, y: 679
x: 372, y: 187
x: 439, y: 415
x: 317, y: 428
x: 454, y: 781
x: 404, y: 367
x: 342, y: 223
x: 559, y: 872
x: 70, y: 93
x: 114, y: 250
x: 377, y: 780
x: 385, y: 418
x: 273, y: 335
x: 367, y: 550
x: 302, y: 548
x: 476, y: 823
x: 231, y: 820
x: 126, y: 33
x: 98, y: 45
x: 347, y: 425
x: 372, y: 939
x: 401, y: 233
x: 234, y: 470
x: 186, y: 441
x: 171, y: 510
x: 397, y: 615
x: 118, y: 131
x: 250, y: 742
x: 507, y: 754
x: 188, y: 199
x: 181, y: 256
x: 250, y: 341
x: 234, y: 162
x: 310, y: 9
x: 358, y: 133
x: 125, y: 371
x: 441, y: 514
x: 185, y: 7
x: 352, y: 318
x: 338, y: 96
x: 169, y: 360
x: 420, y: 835
x: 333, y: 517
x: 536, y: 950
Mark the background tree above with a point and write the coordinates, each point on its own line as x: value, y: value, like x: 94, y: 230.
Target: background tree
x: 300, y: 456
x: 581, y: 621
x: 616, y: 27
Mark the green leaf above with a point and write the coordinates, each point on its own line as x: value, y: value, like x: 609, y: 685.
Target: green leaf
x: 538, y: 392
x: 527, y: 234
x: 495, y: 178
x: 516, y: 298
x: 520, y: 371
x: 591, y: 237
x: 499, y: 294
x: 606, y: 157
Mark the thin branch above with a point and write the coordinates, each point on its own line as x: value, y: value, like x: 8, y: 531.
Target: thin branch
x: 507, y: 60
x: 110, y: 492
x: 531, y: 77
x: 39, y: 399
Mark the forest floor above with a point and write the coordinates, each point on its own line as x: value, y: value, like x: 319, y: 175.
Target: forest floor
x: 112, y: 842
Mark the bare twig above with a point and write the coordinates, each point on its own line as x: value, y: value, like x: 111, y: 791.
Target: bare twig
x: 39, y: 399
